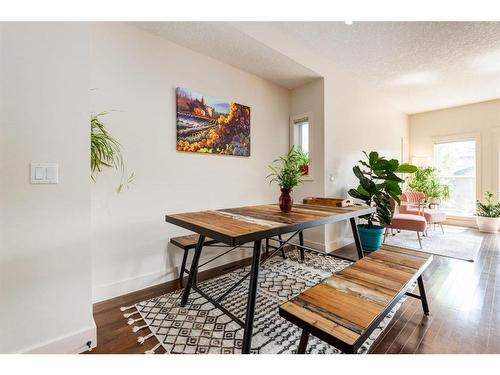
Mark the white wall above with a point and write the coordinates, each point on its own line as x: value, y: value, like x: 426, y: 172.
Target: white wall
x: 309, y: 99
x: 481, y: 119
x: 45, y: 275
x: 357, y: 119
x: 135, y: 73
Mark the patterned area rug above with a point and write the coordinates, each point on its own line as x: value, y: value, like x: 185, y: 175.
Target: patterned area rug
x: 201, y: 328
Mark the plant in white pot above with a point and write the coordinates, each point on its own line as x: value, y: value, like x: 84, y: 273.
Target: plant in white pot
x: 488, y: 214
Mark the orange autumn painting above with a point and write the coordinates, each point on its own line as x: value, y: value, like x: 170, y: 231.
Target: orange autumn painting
x: 210, y: 125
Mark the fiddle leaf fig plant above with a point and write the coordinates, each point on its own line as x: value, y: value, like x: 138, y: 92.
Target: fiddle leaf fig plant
x: 377, y: 183
x: 106, y: 152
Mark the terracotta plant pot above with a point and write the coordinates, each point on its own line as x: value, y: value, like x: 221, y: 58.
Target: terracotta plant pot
x: 286, y: 201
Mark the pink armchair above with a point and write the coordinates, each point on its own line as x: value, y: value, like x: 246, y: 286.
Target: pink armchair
x: 413, y: 203
x: 405, y: 221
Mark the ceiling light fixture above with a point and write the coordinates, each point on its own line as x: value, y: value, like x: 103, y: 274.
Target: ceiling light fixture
x: 348, y: 22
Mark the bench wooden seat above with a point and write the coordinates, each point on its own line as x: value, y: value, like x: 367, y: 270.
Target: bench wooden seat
x: 344, y: 309
x: 187, y: 243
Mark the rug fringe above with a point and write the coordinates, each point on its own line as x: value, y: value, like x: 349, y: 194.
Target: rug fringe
x: 130, y: 314
x: 137, y: 329
x: 126, y: 307
x: 132, y: 321
x: 142, y: 339
x: 152, y: 350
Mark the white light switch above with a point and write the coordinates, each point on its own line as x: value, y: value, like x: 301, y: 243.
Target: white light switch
x: 44, y: 173
x: 39, y: 173
x: 51, y: 173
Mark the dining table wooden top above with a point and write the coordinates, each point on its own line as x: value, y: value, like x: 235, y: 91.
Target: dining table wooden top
x: 236, y: 226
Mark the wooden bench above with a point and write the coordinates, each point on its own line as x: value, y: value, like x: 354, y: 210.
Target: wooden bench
x: 344, y: 309
x: 187, y: 243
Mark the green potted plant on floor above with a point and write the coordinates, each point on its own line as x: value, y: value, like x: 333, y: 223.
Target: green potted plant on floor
x: 287, y: 172
x: 425, y: 180
x: 488, y: 214
x: 378, y: 182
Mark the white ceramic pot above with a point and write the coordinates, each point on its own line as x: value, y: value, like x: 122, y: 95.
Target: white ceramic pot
x: 488, y: 224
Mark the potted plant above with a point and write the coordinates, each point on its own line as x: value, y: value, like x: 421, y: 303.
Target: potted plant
x: 287, y: 172
x: 488, y: 214
x: 303, y: 160
x: 378, y: 182
x: 426, y: 181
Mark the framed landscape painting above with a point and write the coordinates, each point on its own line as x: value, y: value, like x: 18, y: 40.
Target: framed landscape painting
x: 210, y: 125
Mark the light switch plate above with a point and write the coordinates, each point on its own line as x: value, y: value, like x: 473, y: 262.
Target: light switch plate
x: 44, y: 173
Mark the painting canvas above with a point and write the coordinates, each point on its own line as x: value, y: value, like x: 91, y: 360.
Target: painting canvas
x: 210, y: 125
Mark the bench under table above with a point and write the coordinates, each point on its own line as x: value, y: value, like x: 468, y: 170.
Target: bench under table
x: 344, y: 309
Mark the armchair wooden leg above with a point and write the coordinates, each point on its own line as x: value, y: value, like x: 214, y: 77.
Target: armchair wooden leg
x: 385, y: 234
x: 441, y: 225
x: 419, y: 240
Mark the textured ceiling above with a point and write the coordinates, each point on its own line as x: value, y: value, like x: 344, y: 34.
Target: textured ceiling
x: 419, y: 65
x: 227, y: 44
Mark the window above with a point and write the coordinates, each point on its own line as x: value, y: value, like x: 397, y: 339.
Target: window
x: 300, y: 138
x: 301, y: 133
x: 456, y: 165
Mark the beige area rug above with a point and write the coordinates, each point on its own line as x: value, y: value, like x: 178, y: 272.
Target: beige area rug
x: 456, y: 242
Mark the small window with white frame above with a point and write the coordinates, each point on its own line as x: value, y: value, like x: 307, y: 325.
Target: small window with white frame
x: 300, y: 138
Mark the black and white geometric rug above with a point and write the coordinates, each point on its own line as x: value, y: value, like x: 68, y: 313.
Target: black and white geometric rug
x: 202, y: 328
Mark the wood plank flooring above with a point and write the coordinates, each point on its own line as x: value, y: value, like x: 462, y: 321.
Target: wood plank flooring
x: 464, y: 301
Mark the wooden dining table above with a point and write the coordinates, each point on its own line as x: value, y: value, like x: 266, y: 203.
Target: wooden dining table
x: 239, y: 226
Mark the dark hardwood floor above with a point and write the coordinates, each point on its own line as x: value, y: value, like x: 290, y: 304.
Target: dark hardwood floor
x: 464, y: 301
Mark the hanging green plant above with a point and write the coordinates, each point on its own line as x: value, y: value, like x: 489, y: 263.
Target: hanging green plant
x: 106, y: 152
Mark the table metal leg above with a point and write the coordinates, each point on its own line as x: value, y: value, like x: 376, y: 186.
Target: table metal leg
x: 183, y: 267
x: 193, y: 271
x: 283, y: 248
x: 252, y: 294
x: 303, y: 342
x: 423, y: 296
x: 301, y: 243
x: 355, y: 233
